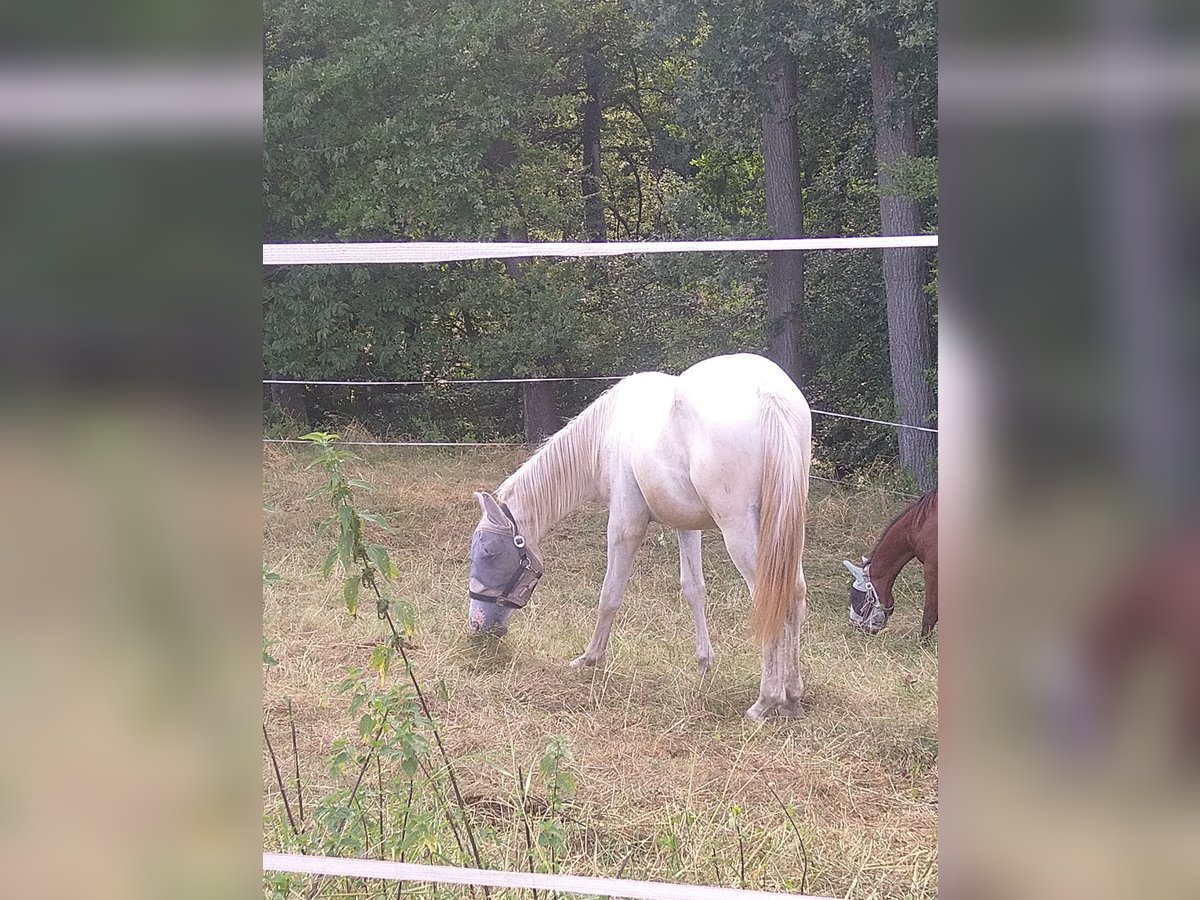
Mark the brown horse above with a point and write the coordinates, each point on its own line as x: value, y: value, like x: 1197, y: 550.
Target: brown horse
x: 1151, y: 608
x: 913, y: 533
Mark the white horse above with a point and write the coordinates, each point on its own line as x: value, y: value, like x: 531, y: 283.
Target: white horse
x: 727, y: 444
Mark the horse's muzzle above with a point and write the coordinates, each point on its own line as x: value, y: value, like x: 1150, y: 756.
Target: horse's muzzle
x: 488, y: 619
x: 871, y: 619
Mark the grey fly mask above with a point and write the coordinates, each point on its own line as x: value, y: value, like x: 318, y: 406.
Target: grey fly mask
x: 504, y: 570
x: 866, y: 612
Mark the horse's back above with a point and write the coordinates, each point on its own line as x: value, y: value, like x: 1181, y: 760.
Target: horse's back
x: 726, y: 389
x: 719, y: 403
x: 700, y: 460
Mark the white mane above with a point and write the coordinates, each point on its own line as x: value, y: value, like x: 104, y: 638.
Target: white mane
x: 564, y: 472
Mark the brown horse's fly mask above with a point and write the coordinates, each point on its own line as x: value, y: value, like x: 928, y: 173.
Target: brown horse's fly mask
x: 504, y: 570
x: 866, y: 611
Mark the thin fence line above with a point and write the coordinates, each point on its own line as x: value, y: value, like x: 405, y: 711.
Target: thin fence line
x: 861, y: 487
x: 825, y: 412
x: 342, y: 443
x: 514, y: 444
x: 386, y: 870
x: 301, y: 254
x: 456, y: 381
x: 443, y: 381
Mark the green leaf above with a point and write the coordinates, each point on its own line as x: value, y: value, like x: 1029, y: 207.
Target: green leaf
x: 348, y: 519
x: 350, y: 589
x: 323, y: 525
x: 375, y: 519
x: 320, y: 438
x: 381, y: 657
x: 380, y: 559
x: 566, y: 784
x: 403, y: 614
x: 359, y: 484
x: 366, y: 725
x: 345, y: 548
x: 550, y: 834
x: 330, y: 559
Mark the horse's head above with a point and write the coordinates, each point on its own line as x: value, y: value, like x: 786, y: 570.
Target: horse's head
x: 504, y: 571
x: 866, y: 612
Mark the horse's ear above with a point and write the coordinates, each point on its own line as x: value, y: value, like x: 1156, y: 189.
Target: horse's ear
x: 866, y: 560
x: 491, y: 508
x: 853, y: 569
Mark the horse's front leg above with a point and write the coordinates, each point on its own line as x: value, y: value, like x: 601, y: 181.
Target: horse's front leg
x: 625, y: 533
x: 930, y: 616
x: 691, y: 580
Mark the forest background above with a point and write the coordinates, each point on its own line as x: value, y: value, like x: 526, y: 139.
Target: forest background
x: 543, y: 120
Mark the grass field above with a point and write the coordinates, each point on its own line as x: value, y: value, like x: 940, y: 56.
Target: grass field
x: 672, y: 782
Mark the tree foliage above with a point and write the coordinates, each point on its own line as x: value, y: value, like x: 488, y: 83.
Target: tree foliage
x: 461, y: 121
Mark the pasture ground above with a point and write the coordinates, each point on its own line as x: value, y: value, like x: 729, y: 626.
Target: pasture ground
x: 672, y: 782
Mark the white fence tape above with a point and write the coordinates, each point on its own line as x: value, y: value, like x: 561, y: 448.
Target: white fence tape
x: 571, y: 884
x: 450, y: 251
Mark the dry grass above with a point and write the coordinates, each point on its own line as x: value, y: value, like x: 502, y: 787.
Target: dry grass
x: 661, y: 759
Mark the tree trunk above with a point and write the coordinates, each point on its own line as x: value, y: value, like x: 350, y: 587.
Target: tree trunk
x: 541, y: 411
x: 785, y: 215
x: 290, y: 400
x: 593, y: 201
x: 539, y: 403
x: 904, y: 269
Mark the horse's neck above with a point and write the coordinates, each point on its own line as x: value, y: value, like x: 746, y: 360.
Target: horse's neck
x: 564, y: 473
x: 891, y: 554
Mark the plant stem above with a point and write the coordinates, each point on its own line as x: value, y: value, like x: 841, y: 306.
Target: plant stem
x: 796, y: 829
x: 398, y: 643
x: 296, y: 759
x: 741, y: 854
x: 316, y: 888
x: 403, y: 832
x: 525, y: 821
x: 379, y: 779
x: 279, y: 780
x: 443, y: 805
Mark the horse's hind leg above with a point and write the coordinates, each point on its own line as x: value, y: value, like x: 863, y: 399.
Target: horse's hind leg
x: 790, y: 649
x: 626, y: 529
x: 742, y: 543
x: 691, y: 580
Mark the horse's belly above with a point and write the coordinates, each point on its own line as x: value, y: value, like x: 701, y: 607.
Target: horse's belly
x: 663, y: 478
x: 678, y: 507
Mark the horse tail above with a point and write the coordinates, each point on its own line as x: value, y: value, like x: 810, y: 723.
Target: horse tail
x: 787, y: 452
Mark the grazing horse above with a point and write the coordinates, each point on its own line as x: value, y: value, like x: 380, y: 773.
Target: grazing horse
x: 727, y: 444
x: 911, y: 534
x: 1150, y: 608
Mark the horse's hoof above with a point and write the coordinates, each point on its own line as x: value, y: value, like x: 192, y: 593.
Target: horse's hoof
x: 703, y: 664
x: 580, y: 662
x: 758, y: 712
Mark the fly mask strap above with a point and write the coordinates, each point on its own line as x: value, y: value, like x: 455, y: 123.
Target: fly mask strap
x: 517, y: 591
x: 872, y: 601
